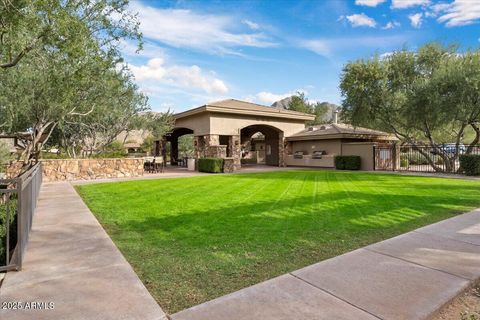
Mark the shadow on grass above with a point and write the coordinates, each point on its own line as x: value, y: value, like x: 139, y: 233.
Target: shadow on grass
x: 339, y: 213
x: 190, y: 252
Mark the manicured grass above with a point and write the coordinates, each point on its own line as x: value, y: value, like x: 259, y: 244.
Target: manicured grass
x: 193, y: 239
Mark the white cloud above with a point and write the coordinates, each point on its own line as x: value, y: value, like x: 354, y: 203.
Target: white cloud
x: 402, y: 4
x: 328, y: 47
x: 269, y: 98
x: 185, y: 28
x: 369, y: 3
x: 458, y: 13
x: 252, y: 25
x: 360, y: 20
x: 436, y: 8
x: 416, y: 19
x: 391, y: 25
x: 321, y: 47
x: 156, y: 72
x: 266, y: 97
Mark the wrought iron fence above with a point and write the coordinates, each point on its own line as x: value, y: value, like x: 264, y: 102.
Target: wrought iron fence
x: 442, y: 158
x: 18, y: 200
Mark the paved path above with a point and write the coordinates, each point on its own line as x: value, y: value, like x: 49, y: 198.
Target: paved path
x: 408, y: 277
x: 72, y: 262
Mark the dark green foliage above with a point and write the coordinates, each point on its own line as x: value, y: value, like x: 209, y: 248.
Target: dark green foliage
x: 470, y: 164
x: 212, y: 165
x: 348, y: 162
x: 12, y: 224
x: 115, y: 149
x: 416, y: 158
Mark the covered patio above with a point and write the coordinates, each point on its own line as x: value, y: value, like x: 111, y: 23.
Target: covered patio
x: 226, y: 129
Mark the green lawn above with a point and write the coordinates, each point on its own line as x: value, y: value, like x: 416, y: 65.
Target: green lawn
x: 194, y: 239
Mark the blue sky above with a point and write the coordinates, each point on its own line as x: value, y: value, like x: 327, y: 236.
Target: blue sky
x: 262, y: 51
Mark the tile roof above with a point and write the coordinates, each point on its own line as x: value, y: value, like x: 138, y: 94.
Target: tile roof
x: 339, y: 130
x: 243, y: 107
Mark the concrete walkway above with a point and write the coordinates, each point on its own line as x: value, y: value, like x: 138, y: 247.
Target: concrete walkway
x: 408, y: 277
x: 72, y: 263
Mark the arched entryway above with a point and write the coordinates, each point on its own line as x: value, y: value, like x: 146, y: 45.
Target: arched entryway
x: 173, y: 137
x: 262, y: 144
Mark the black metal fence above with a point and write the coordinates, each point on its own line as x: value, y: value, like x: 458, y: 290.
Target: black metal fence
x: 441, y: 159
x: 18, y: 200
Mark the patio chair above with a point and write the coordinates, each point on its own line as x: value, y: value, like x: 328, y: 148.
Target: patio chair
x: 147, y: 166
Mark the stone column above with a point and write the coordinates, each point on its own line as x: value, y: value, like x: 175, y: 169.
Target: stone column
x: 198, y: 145
x: 174, y: 151
x: 235, y: 151
x: 212, y: 140
x: 281, y: 150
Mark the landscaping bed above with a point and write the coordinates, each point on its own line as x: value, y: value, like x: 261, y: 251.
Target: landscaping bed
x: 194, y: 239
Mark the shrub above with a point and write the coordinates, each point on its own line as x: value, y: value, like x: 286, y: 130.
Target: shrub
x: 115, y: 149
x: 404, y: 162
x: 470, y: 164
x: 4, y: 224
x: 416, y: 158
x: 212, y: 165
x: 348, y: 162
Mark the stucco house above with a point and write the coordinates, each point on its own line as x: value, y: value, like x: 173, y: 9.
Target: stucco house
x: 243, y: 133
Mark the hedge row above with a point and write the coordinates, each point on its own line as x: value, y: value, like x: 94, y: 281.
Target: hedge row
x: 348, y: 162
x: 470, y: 164
x: 212, y: 165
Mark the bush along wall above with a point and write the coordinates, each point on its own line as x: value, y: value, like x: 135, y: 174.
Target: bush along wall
x: 212, y: 165
x: 470, y: 164
x: 348, y: 162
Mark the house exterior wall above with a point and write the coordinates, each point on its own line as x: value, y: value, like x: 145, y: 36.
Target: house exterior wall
x: 332, y: 147
x: 231, y: 124
x: 362, y: 149
x: 199, y: 123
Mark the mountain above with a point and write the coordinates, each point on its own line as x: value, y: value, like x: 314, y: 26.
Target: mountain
x: 282, y: 104
x: 329, y: 114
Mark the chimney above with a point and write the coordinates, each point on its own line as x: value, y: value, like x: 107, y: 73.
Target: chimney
x: 335, y: 116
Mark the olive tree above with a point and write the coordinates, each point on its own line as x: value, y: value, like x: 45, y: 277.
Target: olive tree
x: 63, y: 72
x: 427, y: 97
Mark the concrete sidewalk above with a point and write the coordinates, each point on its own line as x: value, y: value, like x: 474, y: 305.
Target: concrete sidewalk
x: 407, y: 277
x: 72, y: 263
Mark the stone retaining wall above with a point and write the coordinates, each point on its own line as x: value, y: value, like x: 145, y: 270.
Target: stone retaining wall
x: 90, y: 169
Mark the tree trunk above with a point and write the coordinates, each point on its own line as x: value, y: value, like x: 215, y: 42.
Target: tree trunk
x: 476, y: 140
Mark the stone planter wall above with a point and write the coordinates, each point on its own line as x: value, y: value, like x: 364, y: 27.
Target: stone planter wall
x: 90, y: 169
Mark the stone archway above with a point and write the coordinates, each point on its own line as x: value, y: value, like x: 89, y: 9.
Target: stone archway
x: 273, y: 142
x: 172, y: 137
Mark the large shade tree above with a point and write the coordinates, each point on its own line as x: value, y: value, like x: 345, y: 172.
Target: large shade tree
x: 427, y: 97
x: 70, y: 26
x: 60, y: 70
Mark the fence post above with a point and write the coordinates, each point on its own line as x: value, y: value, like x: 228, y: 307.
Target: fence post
x: 19, y: 246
